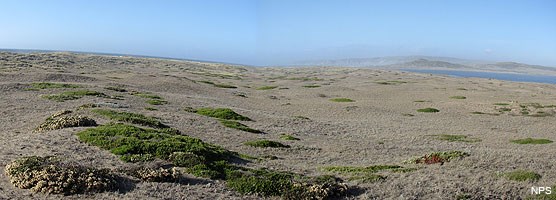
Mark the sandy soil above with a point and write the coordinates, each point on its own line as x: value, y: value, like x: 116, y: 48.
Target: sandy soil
x: 381, y: 127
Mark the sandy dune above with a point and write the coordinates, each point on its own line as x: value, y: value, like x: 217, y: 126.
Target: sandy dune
x: 381, y: 127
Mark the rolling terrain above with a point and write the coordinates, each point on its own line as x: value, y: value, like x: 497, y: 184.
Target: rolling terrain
x: 383, y: 133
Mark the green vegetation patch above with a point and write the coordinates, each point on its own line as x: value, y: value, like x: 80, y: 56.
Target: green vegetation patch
x: 531, y: 141
x: 369, y: 169
x: 46, y: 85
x: 428, y: 110
x: 266, y: 144
x: 311, y: 86
x: 365, y: 174
x: 390, y: 82
x: 146, y: 95
x: 72, y: 95
x: 288, y: 137
x: 267, y: 87
x: 117, y: 89
x: 156, y: 102
x: 501, y: 104
x: 456, y: 138
x: 220, y: 85
x: 150, y: 108
x: 438, y: 157
x: 342, y: 100
x: 221, y: 113
x: 458, y: 97
x: 287, y: 185
x: 238, y: 126
x: 54, y: 176
x: 522, y: 175
x: 133, y: 142
x: 128, y: 117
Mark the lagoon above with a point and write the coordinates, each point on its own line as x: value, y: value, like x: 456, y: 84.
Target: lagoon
x: 492, y: 75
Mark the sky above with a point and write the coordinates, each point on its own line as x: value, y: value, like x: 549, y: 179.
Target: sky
x: 279, y: 32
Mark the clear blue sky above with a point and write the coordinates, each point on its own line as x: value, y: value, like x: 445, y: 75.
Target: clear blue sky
x: 283, y: 31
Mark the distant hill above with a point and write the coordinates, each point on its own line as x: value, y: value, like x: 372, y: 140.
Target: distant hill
x: 382, y: 61
x: 434, y: 63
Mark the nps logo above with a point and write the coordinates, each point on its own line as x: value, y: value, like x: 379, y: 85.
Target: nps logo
x: 541, y: 190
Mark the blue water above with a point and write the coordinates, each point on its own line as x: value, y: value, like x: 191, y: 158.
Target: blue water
x: 493, y: 75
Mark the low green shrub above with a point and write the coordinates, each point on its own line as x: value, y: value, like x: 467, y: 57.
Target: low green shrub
x: 266, y: 144
x: 342, y: 100
x: 238, y: 126
x: 531, y: 141
x: 72, y: 95
x: 221, y: 113
x: 133, y: 118
x: 428, y: 110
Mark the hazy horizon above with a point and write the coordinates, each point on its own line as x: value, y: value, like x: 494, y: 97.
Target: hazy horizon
x: 283, y: 32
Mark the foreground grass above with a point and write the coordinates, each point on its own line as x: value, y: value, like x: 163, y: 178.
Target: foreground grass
x: 531, y: 141
x: 341, y: 100
x: 201, y: 159
x: 438, y: 157
x: 138, y: 144
x: 73, y: 95
x: 522, y: 175
x: 128, y: 117
x: 456, y: 138
x: 365, y: 174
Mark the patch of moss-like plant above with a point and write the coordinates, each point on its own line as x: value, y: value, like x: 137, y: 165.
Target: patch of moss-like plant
x: 267, y: 87
x: 266, y: 144
x: 238, y: 126
x: 288, y: 137
x: 46, y: 85
x: 501, y: 104
x: 55, y: 176
x: 220, y: 85
x: 390, y: 82
x: 456, y: 138
x: 341, y: 100
x: 150, y: 108
x: 458, y: 97
x: 128, y: 117
x: 428, y: 110
x: 365, y: 174
x: 522, y: 175
x: 127, y: 140
x: 156, y: 102
x: 146, y: 95
x: 531, y: 141
x: 221, y: 113
x: 311, y: 86
x: 117, y: 89
x: 351, y: 170
x: 504, y: 109
x: 438, y: 157
x: 72, y: 95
